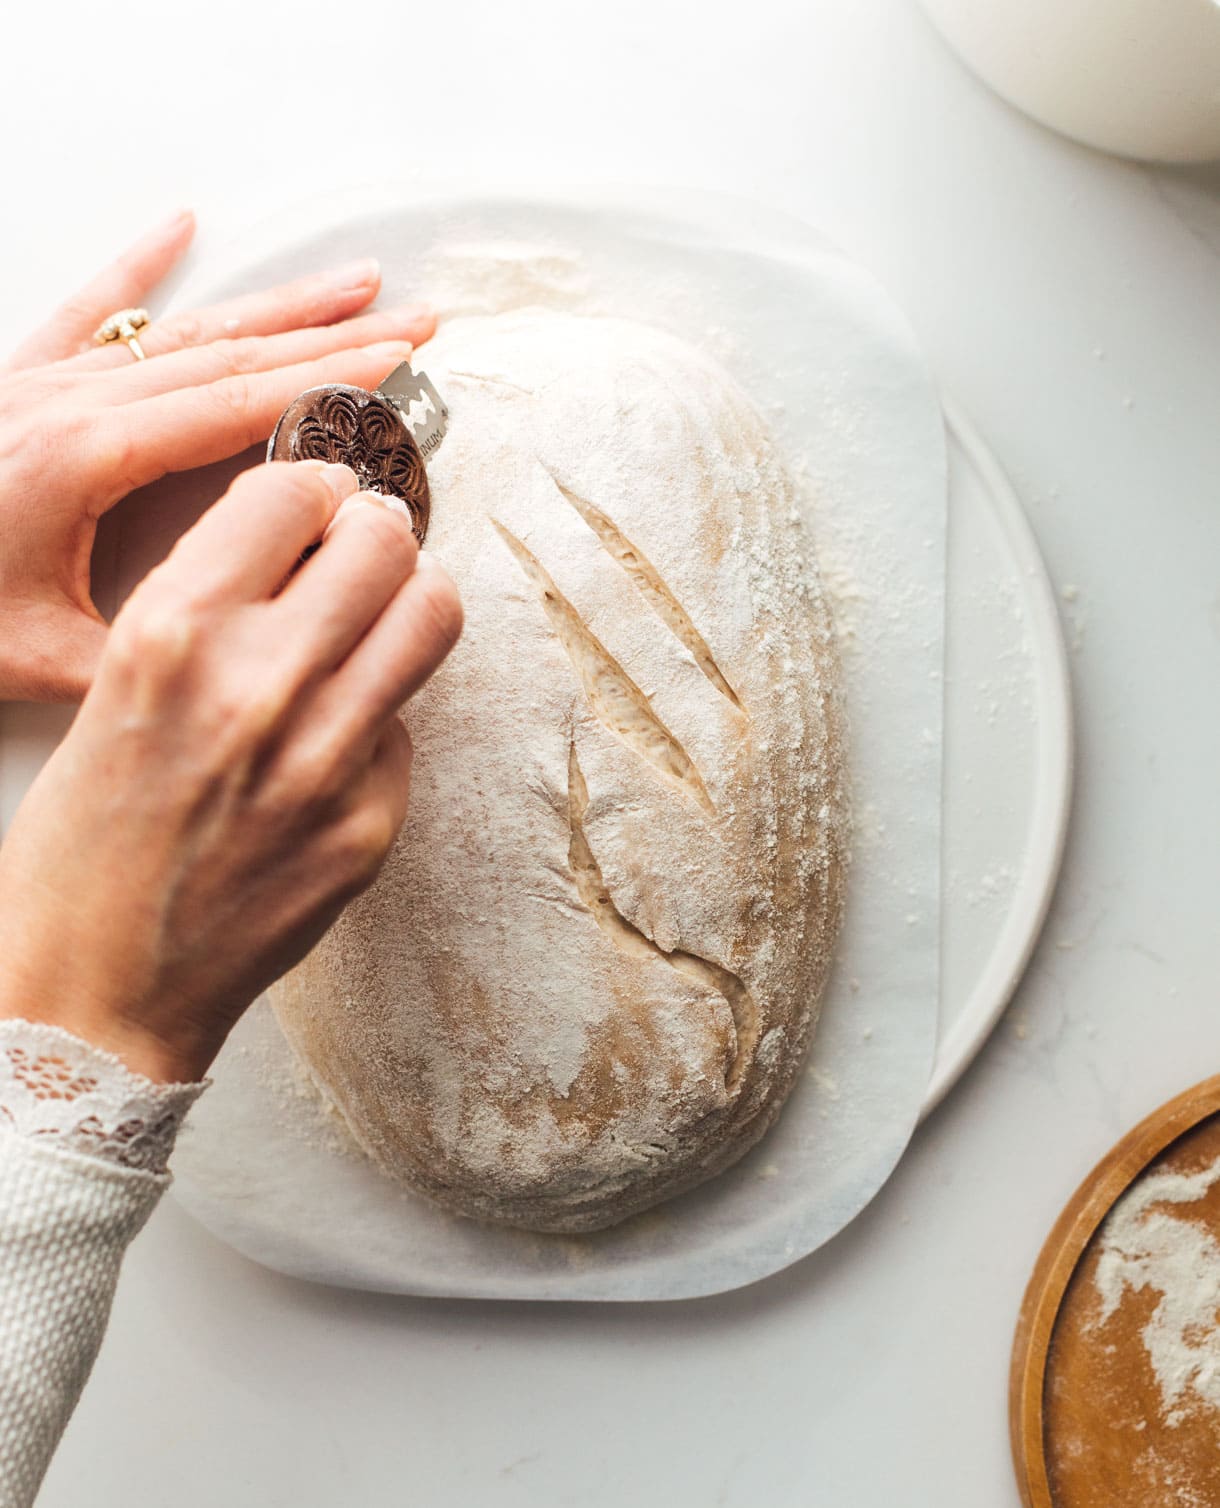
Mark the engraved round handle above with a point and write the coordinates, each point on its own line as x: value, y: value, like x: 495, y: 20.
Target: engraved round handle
x: 362, y: 430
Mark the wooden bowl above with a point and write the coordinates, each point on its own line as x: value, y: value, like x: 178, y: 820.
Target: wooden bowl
x: 1093, y: 1424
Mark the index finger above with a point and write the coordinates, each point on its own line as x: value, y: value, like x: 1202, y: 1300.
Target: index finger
x: 246, y: 544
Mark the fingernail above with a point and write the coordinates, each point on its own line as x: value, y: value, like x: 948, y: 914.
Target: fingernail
x: 391, y: 504
x: 359, y: 500
x: 353, y: 275
x: 394, y: 504
x: 341, y: 480
x: 349, y: 505
x: 392, y: 350
x: 172, y: 223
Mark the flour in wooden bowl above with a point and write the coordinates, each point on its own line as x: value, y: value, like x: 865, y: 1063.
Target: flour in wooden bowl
x: 1146, y: 1246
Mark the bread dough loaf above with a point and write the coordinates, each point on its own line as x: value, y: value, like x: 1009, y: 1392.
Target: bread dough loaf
x: 588, y: 973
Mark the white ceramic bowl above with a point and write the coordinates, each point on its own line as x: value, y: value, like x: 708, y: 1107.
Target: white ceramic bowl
x: 1136, y: 77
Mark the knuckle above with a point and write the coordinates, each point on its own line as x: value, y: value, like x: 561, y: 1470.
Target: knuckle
x: 187, y: 331
x: 365, y: 836
x: 440, y: 612
x: 266, y: 706
x: 157, y: 634
x: 238, y: 355
x: 394, y: 757
x: 248, y: 710
x: 236, y: 398
x: 120, y: 458
x: 318, y: 777
x: 398, y: 737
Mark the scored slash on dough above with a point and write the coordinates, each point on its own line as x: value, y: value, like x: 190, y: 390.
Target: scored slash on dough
x: 649, y: 582
x: 591, y: 887
x: 615, y: 698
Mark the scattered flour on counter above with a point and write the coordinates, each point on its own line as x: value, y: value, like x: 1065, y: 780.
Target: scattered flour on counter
x: 1075, y: 610
x: 996, y: 883
x: 1144, y: 1247
x: 824, y: 1081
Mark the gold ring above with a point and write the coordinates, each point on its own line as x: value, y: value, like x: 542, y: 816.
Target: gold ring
x: 122, y: 325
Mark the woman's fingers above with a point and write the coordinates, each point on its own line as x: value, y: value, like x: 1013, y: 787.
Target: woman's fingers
x: 350, y: 745
x: 198, y: 365
x: 332, y: 601
x: 247, y: 543
x: 374, y: 798
x: 384, y: 789
x: 136, y: 443
x: 127, y: 281
x: 321, y: 299
x: 391, y: 770
x: 402, y: 649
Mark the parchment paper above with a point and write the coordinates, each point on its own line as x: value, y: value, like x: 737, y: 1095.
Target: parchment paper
x: 835, y: 368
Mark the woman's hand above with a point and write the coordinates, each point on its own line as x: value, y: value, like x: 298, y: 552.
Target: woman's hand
x: 82, y: 426
x: 236, y: 773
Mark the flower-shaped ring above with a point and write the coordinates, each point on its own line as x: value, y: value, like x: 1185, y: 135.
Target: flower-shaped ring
x: 123, y: 325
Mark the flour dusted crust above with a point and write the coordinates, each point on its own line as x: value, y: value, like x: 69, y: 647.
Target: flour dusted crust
x: 588, y: 973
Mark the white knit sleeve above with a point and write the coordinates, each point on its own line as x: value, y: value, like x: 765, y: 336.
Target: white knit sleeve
x: 84, y: 1145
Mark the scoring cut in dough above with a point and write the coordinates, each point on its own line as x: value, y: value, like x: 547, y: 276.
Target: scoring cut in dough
x: 587, y: 975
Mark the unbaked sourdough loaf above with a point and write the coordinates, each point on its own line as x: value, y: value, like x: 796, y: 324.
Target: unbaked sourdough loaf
x: 587, y: 975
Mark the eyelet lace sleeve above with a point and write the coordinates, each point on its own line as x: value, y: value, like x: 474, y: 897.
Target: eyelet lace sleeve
x: 84, y: 1144
x: 56, y: 1087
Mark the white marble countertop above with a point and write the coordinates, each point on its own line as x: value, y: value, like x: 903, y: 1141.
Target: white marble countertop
x: 1072, y: 302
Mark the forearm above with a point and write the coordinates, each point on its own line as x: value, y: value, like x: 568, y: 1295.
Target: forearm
x: 83, y: 1147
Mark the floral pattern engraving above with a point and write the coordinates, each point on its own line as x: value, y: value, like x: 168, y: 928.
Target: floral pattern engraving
x: 361, y: 430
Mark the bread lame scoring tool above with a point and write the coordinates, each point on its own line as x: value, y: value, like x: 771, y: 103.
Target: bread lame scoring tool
x: 385, y: 436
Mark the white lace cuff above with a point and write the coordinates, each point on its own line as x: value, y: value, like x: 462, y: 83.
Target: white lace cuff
x: 75, y: 1096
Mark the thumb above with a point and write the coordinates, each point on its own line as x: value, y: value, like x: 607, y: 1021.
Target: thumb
x: 48, y: 653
